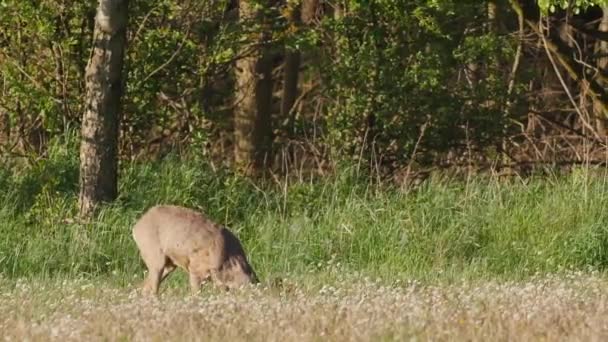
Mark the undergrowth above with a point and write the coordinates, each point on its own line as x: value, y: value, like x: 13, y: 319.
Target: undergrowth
x: 444, y: 229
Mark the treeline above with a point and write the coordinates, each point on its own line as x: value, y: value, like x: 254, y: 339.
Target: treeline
x: 274, y: 85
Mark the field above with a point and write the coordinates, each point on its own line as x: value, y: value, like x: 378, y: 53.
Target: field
x: 571, y: 307
x: 467, y: 259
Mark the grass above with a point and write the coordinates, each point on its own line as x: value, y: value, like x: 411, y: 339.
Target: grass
x: 445, y: 230
x: 571, y: 307
x: 340, y: 258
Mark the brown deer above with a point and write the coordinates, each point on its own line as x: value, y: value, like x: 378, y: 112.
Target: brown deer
x: 171, y: 236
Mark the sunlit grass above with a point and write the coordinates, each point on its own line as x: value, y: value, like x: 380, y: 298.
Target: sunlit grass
x: 446, y: 229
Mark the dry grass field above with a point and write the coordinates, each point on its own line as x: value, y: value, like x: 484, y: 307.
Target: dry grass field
x: 570, y: 307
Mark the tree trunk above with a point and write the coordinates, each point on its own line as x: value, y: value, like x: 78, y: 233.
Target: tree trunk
x: 5, y: 120
x: 100, y: 124
x: 252, y: 117
x: 291, y: 66
x: 5, y: 128
x: 602, y: 62
x: 496, y: 16
x: 291, y: 73
x: 476, y: 70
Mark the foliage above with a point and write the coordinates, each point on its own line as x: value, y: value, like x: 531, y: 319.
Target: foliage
x: 576, y: 5
x: 388, y: 67
x: 395, y: 67
x: 173, y: 57
x: 43, y: 51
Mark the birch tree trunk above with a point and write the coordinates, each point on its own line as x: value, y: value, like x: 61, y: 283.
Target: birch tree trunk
x: 100, y: 123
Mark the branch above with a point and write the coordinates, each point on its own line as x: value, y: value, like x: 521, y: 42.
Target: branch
x: 599, y: 35
x: 168, y: 61
x: 518, y: 52
x: 568, y: 63
x: 30, y: 78
x: 565, y: 86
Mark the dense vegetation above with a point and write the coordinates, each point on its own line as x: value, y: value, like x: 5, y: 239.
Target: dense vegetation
x: 444, y: 229
x: 396, y: 83
x: 343, y: 106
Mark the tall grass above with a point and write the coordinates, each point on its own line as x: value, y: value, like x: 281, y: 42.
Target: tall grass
x: 444, y: 229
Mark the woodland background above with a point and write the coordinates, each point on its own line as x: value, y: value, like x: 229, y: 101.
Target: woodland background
x: 432, y: 139
x: 393, y: 85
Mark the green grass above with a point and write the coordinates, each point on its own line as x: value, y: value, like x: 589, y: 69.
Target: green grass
x: 444, y: 230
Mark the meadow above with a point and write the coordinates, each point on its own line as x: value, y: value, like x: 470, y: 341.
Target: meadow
x: 570, y: 307
x: 340, y: 257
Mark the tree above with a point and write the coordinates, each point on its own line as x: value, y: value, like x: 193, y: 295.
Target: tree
x: 552, y: 5
x: 291, y: 66
x: 599, y: 112
x: 5, y: 127
x: 100, y: 124
x: 253, y: 96
x: 298, y: 14
x: 561, y: 49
